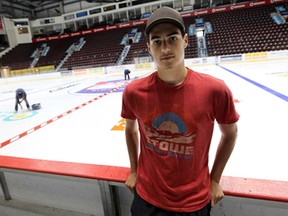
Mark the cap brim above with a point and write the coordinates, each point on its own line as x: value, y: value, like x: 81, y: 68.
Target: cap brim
x: 163, y: 20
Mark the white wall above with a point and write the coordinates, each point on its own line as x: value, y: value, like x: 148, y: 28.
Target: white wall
x: 10, y: 31
x: 23, y: 38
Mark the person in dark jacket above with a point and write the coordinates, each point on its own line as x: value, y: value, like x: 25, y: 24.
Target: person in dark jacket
x: 126, y: 74
x: 21, y: 96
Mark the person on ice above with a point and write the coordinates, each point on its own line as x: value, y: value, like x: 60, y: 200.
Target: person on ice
x: 21, y: 96
x: 126, y: 74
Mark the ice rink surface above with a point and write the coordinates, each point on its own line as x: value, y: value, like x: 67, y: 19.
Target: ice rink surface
x: 80, y: 119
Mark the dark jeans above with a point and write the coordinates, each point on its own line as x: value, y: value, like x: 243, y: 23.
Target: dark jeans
x: 142, y: 208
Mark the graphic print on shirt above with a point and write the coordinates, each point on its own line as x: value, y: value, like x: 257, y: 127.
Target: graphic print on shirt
x: 168, y: 135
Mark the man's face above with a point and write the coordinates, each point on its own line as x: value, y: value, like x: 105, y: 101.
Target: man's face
x: 166, y: 44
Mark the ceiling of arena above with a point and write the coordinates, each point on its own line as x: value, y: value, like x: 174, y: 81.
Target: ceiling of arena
x: 8, y: 7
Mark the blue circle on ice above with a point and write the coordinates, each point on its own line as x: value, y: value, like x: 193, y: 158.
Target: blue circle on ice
x: 20, y: 116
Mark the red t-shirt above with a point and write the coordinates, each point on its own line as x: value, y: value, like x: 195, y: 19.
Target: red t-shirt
x: 176, y: 125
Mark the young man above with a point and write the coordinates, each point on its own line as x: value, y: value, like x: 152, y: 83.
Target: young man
x: 174, y: 110
x: 20, y: 96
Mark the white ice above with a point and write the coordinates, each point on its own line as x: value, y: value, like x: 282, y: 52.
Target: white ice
x: 85, y: 136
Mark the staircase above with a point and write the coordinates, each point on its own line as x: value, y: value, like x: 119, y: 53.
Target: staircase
x: 123, y: 55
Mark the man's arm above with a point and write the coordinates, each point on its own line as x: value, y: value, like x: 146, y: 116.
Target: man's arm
x: 132, y: 141
x: 225, y: 148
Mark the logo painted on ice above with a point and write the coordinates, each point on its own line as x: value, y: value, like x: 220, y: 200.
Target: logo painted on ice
x: 103, y: 87
x: 20, y: 116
